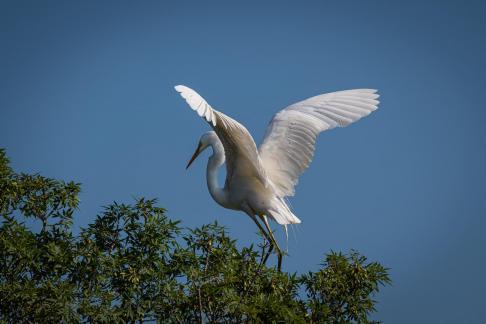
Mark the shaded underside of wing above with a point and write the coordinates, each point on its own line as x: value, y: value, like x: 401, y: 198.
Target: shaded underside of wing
x: 241, y: 153
x: 289, y: 143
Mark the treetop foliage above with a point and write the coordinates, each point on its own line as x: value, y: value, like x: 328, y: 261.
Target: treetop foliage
x: 134, y: 264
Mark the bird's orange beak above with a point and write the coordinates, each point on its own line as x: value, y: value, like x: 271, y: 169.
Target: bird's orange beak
x: 194, y: 156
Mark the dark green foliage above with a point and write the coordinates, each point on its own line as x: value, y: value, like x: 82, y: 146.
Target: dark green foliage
x: 230, y: 285
x: 134, y: 264
x: 124, y: 266
x: 341, y: 291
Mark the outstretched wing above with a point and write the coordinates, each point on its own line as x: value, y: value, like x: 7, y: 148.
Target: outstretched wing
x: 241, y: 153
x: 289, y: 143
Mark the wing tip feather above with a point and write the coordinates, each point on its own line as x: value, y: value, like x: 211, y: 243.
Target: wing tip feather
x: 180, y: 88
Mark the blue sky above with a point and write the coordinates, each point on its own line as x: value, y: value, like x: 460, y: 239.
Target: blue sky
x: 86, y: 94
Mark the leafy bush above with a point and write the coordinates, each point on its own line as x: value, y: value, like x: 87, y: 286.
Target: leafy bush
x: 135, y: 264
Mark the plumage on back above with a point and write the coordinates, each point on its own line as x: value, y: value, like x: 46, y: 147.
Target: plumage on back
x: 289, y: 143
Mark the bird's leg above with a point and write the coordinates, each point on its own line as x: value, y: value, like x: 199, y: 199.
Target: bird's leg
x: 265, y: 236
x: 266, y: 254
x: 274, y: 241
x: 270, y: 249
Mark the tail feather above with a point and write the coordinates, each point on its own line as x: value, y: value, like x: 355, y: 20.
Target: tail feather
x: 281, y: 213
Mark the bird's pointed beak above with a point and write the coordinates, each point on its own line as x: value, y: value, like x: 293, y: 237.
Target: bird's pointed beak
x: 194, y: 156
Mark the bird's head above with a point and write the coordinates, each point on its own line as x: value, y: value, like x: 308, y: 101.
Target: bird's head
x: 206, y: 140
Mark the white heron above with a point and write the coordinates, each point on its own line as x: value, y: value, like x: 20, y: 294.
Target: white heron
x: 258, y: 180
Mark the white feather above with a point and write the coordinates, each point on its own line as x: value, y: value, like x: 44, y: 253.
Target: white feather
x: 240, y: 149
x: 289, y: 143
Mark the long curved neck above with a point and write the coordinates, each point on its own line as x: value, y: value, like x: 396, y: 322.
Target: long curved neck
x: 215, y: 161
